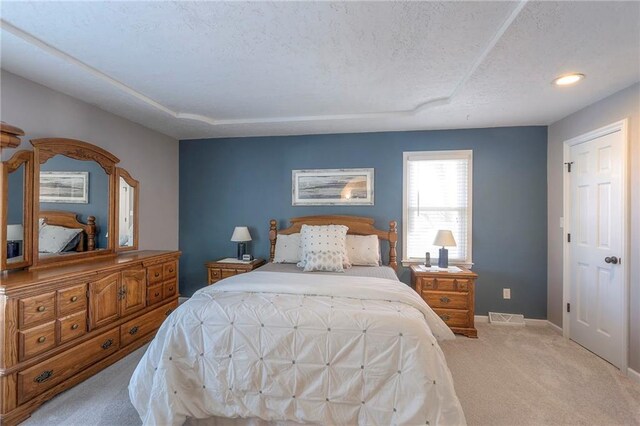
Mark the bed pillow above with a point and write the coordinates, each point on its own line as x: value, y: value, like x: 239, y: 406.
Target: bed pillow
x: 323, y: 261
x: 363, y: 250
x: 288, y: 249
x: 54, y: 239
x: 324, y: 238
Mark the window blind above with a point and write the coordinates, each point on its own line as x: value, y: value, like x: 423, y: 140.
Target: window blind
x: 438, y: 197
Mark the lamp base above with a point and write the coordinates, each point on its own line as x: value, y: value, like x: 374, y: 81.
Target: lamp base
x: 443, y: 258
x: 13, y: 249
x: 242, y: 250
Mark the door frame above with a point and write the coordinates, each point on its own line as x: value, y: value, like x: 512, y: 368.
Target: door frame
x: 623, y: 127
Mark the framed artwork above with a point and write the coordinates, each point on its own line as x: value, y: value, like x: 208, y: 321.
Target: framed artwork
x: 319, y: 187
x: 64, y: 187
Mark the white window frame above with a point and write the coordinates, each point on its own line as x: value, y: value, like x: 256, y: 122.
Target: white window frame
x: 466, y: 154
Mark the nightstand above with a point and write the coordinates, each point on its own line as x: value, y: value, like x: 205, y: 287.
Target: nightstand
x: 229, y: 267
x: 450, y: 294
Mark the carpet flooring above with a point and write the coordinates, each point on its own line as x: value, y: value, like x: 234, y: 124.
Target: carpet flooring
x: 508, y: 376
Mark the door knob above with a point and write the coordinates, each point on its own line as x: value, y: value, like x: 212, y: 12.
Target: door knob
x: 611, y: 259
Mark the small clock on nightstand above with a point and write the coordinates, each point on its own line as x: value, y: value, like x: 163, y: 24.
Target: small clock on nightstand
x: 450, y: 294
x: 228, y: 267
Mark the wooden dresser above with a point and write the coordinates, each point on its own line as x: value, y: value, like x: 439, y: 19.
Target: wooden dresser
x: 61, y: 325
x: 219, y: 270
x: 450, y: 295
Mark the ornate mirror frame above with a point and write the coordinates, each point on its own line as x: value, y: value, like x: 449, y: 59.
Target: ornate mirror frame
x: 6, y: 167
x: 46, y: 148
x: 122, y: 173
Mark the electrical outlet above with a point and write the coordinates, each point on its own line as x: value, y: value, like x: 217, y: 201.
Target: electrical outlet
x: 506, y: 293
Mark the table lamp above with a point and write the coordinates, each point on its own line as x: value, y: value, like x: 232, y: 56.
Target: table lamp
x: 444, y: 238
x: 15, y: 234
x: 241, y: 236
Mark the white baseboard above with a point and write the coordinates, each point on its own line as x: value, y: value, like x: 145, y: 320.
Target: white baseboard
x: 633, y: 375
x: 527, y: 321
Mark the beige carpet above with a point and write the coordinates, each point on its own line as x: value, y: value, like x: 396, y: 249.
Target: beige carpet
x: 509, y: 376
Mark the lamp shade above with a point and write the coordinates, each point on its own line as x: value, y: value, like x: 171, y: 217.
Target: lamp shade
x: 15, y: 232
x: 240, y: 234
x: 444, y: 238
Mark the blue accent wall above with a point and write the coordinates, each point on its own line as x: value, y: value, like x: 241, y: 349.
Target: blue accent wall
x: 98, y: 205
x: 247, y: 181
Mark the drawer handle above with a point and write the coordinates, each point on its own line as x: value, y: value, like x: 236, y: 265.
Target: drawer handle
x: 445, y: 317
x: 41, y: 308
x: 74, y: 327
x: 168, y: 312
x: 74, y: 299
x: 41, y: 339
x: 156, y: 294
x: 170, y: 269
x: 122, y: 293
x: 445, y: 299
x: 170, y: 288
x: 157, y: 274
x: 133, y: 330
x: 107, y: 344
x: 44, y: 376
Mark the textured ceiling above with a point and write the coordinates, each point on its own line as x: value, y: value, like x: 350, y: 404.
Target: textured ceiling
x: 214, y: 69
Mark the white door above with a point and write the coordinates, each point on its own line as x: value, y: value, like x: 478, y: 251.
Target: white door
x: 598, y: 299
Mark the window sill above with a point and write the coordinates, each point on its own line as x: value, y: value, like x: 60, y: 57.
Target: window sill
x: 407, y: 263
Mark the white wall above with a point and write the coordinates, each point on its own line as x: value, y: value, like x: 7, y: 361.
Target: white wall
x: 621, y: 105
x: 150, y: 157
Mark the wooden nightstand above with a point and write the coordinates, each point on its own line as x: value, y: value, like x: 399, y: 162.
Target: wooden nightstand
x: 451, y: 295
x: 220, y: 269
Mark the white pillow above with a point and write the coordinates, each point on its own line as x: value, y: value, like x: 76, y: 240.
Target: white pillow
x: 324, y: 238
x: 363, y: 250
x: 54, y: 239
x: 288, y: 249
x: 323, y: 260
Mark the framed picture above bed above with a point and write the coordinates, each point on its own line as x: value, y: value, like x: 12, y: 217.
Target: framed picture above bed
x: 64, y: 187
x: 320, y: 187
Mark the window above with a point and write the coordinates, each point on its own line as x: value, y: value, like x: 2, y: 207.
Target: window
x: 437, y: 195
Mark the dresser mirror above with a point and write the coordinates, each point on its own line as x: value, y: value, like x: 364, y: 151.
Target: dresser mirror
x: 127, y: 202
x: 16, y: 175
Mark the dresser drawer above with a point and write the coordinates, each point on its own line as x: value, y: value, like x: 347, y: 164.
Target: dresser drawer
x: 37, y: 340
x: 446, y: 299
x: 72, y: 326
x: 454, y: 317
x: 155, y: 274
x: 214, y: 275
x: 169, y: 270
x: 37, y: 379
x: 226, y: 273
x: 154, y: 294
x: 169, y: 288
x: 72, y: 299
x: 37, y: 309
x: 145, y: 324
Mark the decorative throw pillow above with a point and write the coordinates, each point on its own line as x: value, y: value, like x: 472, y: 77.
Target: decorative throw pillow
x: 288, y: 249
x: 323, y: 260
x: 54, y: 239
x: 363, y: 250
x: 324, y: 238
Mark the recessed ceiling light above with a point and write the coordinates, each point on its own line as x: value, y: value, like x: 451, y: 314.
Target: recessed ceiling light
x: 568, y: 79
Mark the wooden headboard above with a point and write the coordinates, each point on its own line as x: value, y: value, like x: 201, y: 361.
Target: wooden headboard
x: 70, y: 220
x: 357, y: 226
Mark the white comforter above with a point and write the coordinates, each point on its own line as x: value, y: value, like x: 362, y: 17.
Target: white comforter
x: 313, y: 348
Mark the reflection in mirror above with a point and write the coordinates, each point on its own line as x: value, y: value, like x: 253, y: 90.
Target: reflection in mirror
x: 125, y: 214
x: 15, y: 215
x: 74, y: 207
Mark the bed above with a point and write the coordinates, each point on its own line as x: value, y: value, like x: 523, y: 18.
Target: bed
x: 64, y: 225
x: 280, y: 346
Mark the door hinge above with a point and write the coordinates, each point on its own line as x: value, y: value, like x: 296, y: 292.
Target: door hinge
x: 569, y: 166
x: 569, y: 238
x: 568, y: 307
